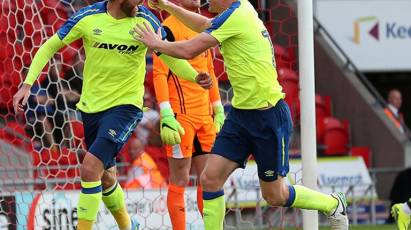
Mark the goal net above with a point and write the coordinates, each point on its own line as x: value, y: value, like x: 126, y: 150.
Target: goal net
x: 40, y: 151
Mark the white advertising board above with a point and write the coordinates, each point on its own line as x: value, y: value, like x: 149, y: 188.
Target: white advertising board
x: 57, y: 210
x: 375, y: 34
x: 339, y: 174
x: 334, y: 174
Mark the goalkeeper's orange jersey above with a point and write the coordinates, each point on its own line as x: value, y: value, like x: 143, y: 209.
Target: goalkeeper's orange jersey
x: 184, y: 96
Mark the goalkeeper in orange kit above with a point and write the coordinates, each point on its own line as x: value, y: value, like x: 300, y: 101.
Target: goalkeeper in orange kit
x: 198, y: 112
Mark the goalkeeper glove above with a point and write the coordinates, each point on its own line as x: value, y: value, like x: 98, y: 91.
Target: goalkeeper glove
x: 219, y: 116
x: 170, y: 128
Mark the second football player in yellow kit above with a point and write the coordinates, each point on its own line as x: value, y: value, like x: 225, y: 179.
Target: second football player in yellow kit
x: 259, y: 121
x: 199, y: 112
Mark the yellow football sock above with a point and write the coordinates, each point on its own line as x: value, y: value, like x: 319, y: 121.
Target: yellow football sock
x: 113, y: 198
x: 214, y: 210
x: 305, y: 198
x: 88, y: 204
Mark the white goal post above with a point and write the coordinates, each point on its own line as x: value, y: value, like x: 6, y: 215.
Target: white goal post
x: 307, y: 97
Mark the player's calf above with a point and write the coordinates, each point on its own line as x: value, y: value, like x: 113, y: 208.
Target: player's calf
x: 179, y: 178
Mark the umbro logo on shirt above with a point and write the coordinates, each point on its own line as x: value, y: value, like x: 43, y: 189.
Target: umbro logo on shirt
x: 97, y: 31
x: 112, y: 132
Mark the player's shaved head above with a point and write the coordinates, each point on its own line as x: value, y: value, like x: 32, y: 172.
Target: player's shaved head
x: 395, y: 98
x: 218, y: 6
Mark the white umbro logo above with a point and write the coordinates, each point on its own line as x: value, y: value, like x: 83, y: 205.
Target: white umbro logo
x: 112, y: 132
x: 97, y: 31
x: 269, y: 173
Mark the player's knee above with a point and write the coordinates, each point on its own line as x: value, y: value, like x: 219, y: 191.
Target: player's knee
x: 210, y: 183
x: 275, y: 197
x: 180, y: 174
x: 89, y: 172
x: 181, y: 181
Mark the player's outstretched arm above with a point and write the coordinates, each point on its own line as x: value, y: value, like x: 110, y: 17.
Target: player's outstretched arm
x: 187, y: 49
x: 185, y: 71
x: 181, y: 68
x: 194, y: 21
x: 43, y: 55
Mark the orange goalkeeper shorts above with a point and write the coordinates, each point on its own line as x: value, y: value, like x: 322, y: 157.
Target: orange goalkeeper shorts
x: 198, y: 139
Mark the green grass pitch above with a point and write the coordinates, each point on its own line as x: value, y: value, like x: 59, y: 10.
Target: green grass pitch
x: 358, y: 227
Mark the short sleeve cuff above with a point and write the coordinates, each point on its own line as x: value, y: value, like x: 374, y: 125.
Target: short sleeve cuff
x: 215, y: 36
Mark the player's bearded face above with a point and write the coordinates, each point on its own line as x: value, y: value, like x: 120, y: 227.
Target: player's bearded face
x: 129, y: 7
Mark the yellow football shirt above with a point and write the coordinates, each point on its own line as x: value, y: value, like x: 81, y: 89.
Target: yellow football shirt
x: 248, y: 56
x: 115, y: 65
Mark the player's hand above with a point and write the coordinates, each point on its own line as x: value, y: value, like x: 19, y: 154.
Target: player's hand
x: 219, y: 116
x: 145, y: 35
x: 170, y: 129
x: 204, y: 80
x: 158, y: 4
x: 21, y: 97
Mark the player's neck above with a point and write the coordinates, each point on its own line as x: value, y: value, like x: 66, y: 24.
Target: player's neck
x: 113, y: 9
